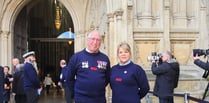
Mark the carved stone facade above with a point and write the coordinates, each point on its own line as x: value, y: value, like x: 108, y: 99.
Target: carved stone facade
x: 147, y: 25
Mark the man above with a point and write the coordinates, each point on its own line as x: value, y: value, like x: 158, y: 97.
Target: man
x: 1, y: 83
x: 31, y: 81
x: 91, y: 69
x: 167, y: 75
x: 18, y: 85
x: 63, y: 76
x: 205, y: 66
x: 15, y: 62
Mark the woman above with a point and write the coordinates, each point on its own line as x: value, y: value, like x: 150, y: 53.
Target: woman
x: 48, y: 82
x: 7, y: 84
x: 128, y: 80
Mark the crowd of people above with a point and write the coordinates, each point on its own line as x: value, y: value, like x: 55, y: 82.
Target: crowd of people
x: 88, y: 72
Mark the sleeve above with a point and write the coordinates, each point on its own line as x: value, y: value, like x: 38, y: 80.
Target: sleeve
x: 142, y: 82
x: 176, y: 76
x: 71, y: 72
x: 160, y: 69
x: 202, y: 64
x: 108, y: 72
x: 14, y: 83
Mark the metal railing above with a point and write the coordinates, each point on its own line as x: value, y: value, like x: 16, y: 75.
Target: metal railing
x: 186, y: 96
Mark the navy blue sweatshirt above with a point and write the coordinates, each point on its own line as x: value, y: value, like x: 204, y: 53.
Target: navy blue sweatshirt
x: 31, y: 79
x: 129, y: 83
x: 92, y: 76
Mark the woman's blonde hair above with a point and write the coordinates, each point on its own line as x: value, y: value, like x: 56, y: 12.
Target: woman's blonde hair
x: 125, y: 46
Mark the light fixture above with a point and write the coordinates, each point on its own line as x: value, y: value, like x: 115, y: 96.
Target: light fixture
x: 70, y: 42
x: 57, y: 17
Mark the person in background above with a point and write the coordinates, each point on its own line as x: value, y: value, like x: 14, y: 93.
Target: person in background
x: 167, y: 75
x: 200, y: 63
x: 91, y: 69
x: 18, y: 85
x: 1, y: 83
x: 7, y: 84
x: 15, y: 62
x: 203, y: 64
x: 128, y: 81
x: 32, y: 86
x: 62, y: 82
x: 48, y: 82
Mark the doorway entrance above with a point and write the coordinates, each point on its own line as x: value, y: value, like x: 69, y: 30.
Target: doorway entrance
x: 35, y: 28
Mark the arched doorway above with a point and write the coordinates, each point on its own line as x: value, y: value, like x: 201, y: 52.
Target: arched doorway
x: 35, y: 28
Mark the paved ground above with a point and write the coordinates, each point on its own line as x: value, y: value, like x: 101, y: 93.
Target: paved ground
x: 52, y: 97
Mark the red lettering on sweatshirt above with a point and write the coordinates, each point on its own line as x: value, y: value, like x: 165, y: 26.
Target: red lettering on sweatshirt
x: 93, y: 68
x: 118, y: 79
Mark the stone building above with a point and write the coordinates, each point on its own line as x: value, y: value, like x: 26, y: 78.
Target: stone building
x: 147, y: 25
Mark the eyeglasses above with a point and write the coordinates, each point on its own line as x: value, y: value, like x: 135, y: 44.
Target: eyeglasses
x: 95, y: 39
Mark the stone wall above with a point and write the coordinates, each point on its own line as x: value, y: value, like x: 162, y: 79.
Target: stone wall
x: 148, y: 25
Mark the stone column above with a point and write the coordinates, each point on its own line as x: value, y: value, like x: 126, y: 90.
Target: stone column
x: 179, y: 14
x: 111, y: 49
x: 130, y: 38
x: 138, y: 13
x: 203, y: 40
x: 79, y: 41
x: 109, y: 6
x: 144, y: 16
x: 118, y: 16
x: 156, y: 9
x: 111, y: 38
x: 147, y: 9
x: 117, y: 4
x: 165, y: 41
x: 4, y: 57
x: 192, y: 13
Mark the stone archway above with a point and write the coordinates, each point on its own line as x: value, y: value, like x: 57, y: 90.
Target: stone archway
x: 11, y: 11
x: 37, y: 32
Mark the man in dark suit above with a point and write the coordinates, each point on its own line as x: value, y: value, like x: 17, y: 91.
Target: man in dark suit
x: 1, y: 84
x: 18, y: 84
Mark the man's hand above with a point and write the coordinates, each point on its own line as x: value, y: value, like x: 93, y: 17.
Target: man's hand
x: 196, y: 57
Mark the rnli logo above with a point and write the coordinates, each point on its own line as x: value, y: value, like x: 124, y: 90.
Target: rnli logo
x: 93, y: 68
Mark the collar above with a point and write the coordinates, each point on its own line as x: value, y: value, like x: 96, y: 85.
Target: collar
x: 128, y: 62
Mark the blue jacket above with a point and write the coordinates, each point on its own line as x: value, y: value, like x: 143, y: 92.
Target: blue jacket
x: 63, y: 76
x: 31, y: 79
